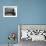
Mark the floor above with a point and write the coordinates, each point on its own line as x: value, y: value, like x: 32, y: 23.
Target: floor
x: 28, y: 43
x: 32, y: 43
x: 7, y: 45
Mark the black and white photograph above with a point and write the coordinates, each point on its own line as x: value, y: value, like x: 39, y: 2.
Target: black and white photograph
x: 9, y: 11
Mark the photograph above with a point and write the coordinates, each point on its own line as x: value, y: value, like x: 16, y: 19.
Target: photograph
x: 9, y: 11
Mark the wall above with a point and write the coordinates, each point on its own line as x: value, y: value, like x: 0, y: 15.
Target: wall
x: 29, y: 12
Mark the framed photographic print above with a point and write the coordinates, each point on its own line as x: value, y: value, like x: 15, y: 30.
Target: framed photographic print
x: 9, y: 11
